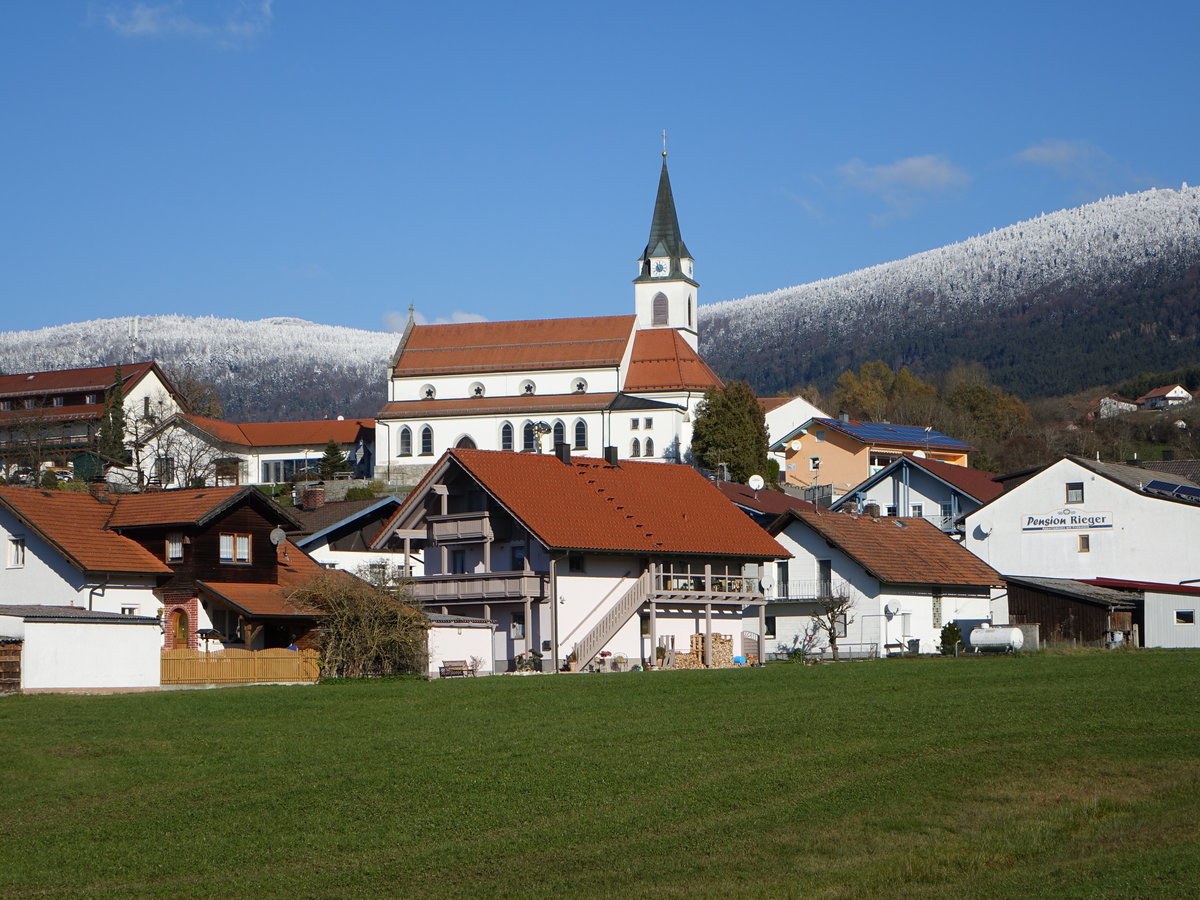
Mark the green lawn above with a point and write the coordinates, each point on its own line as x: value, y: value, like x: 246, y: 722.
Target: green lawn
x: 1031, y: 776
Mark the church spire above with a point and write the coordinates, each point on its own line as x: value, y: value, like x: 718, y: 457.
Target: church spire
x: 665, y: 240
x: 665, y: 289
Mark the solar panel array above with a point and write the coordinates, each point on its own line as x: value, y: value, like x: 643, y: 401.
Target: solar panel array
x: 1170, y: 489
x: 883, y: 433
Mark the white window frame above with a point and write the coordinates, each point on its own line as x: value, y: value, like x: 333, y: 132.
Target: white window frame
x: 16, y: 551
x: 174, y: 546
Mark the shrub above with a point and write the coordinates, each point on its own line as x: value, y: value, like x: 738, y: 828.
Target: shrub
x: 951, y: 637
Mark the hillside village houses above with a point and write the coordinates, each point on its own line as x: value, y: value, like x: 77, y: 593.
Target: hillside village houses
x: 1165, y: 396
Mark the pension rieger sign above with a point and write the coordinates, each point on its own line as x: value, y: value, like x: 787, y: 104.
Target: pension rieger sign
x: 1067, y: 520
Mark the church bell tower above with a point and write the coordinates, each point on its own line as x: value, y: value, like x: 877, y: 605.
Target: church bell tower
x: 665, y: 290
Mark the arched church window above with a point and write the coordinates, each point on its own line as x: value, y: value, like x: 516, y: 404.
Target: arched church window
x: 427, y: 441
x: 649, y: 446
x: 635, y: 448
x: 406, y: 441
x: 466, y: 442
x: 528, y: 437
x: 560, y: 433
x: 580, y: 435
x: 506, y: 436
x: 690, y: 324
x: 659, y: 316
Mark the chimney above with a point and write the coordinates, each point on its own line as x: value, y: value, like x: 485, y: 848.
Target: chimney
x: 610, y: 456
x: 563, y: 451
x: 844, y: 416
x: 98, y: 488
x: 314, y: 497
x: 872, y: 510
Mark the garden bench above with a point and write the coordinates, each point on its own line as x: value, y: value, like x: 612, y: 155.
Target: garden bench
x: 455, y: 668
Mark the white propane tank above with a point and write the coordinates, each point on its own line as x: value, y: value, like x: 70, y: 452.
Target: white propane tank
x: 986, y: 639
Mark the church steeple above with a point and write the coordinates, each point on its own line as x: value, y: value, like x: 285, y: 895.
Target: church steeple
x: 665, y: 290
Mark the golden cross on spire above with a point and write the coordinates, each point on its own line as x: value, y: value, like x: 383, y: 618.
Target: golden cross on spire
x: 664, y: 143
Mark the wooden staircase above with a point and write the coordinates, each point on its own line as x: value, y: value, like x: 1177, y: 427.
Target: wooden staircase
x: 604, y: 631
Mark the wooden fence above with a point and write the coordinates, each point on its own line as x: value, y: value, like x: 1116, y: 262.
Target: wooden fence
x: 239, y: 666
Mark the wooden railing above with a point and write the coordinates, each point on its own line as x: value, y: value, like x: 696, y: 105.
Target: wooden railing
x: 239, y: 666
x: 590, y: 644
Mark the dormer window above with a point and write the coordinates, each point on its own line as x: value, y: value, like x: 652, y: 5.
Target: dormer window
x: 90, y: 399
x: 30, y: 403
x: 56, y: 401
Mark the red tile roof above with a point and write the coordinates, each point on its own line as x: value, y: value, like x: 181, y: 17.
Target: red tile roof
x: 75, y: 524
x: 282, y: 434
x: 466, y: 406
x: 514, y: 346
x: 635, y: 507
x: 895, y: 550
x: 765, y: 500
x: 296, y: 569
x: 97, y: 378
x: 772, y: 403
x: 980, y: 485
x: 180, y: 507
x: 1161, y: 392
x: 662, y: 360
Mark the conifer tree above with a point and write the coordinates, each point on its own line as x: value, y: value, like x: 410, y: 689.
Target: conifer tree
x: 731, y: 430
x: 333, y: 461
x: 110, y: 443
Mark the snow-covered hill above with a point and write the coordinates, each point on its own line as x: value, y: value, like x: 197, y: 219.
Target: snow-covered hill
x: 1114, y: 271
x: 277, y: 368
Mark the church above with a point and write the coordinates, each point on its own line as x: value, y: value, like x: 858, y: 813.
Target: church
x: 629, y: 382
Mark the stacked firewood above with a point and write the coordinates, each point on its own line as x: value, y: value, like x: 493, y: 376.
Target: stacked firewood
x: 722, y: 653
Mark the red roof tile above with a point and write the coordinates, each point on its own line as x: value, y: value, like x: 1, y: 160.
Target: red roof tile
x: 635, y: 507
x: 662, y: 360
x: 515, y: 346
x: 895, y: 550
x: 75, y: 524
x: 296, y: 569
x: 97, y: 378
x: 765, y: 500
x: 180, y: 507
x: 980, y: 485
x: 466, y: 406
x: 282, y: 434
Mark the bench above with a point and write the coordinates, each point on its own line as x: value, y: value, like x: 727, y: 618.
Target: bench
x: 455, y: 668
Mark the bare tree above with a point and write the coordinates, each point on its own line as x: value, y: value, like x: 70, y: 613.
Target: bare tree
x: 169, y: 452
x: 834, y: 618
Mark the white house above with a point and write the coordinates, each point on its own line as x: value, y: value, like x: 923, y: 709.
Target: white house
x: 1167, y: 395
x: 575, y: 557
x: 783, y: 416
x: 1083, y: 519
x: 923, y: 488
x: 340, y: 535
x: 629, y: 381
x: 904, y: 579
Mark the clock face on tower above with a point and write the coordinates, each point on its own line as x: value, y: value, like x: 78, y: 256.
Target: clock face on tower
x: 660, y: 268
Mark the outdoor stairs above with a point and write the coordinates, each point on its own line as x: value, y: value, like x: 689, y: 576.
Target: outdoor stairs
x: 604, y: 631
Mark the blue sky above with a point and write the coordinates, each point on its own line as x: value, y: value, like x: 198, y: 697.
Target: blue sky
x: 340, y: 161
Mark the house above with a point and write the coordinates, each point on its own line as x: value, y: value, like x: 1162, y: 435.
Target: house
x: 923, y: 488
x: 53, y: 418
x: 340, y: 534
x: 1083, y: 519
x: 837, y: 454
x: 211, y: 561
x: 576, y: 557
x: 903, y: 578
x: 186, y: 450
x: 68, y: 648
x: 1162, y: 397
x: 783, y: 416
x: 628, y: 381
x: 765, y: 505
x: 1107, y: 407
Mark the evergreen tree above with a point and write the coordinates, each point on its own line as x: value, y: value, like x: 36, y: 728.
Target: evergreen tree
x: 731, y: 430
x: 110, y: 443
x: 333, y: 461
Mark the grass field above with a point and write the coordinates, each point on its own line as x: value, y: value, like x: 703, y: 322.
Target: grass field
x: 1042, y: 775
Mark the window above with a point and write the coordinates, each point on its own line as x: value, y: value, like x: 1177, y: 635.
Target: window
x: 164, y: 470
x: 649, y: 449
x: 1074, y: 491
x: 814, y: 464
x: 917, y: 511
x: 892, y: 511
x: 1085, y: 543
x: 506, y: 436
x: 228, y: 471
x: 57, y: 401
x: 819, y: 434
x: 575, y: 563
x: 843, y: 623
x: 635, y: 424
x: 528, y: 387
x: 406, y: 441
x: 174, y: 546
x: 146, y: 407
x: 659, y: 313
x: 580, y: 386
x: 477, y: 389
x: 428, y: 392
x: 235, y: 548
x: 516, y: 628
x: 30, y: 403
x: 90, y: 399
x: 528, y: 437
x: 518, y: 558
x: 635, y: 449
x: 1185, y: 617
x: 458, y: 561
x: 5, y: 405
x: 648, y: 423
x: 581, y: 435
x: 129, y: 610
x: 947, y: 511
x: 769, y: 632
x: 560, y: 433
x: 427, y: 441
x: 16, y: 552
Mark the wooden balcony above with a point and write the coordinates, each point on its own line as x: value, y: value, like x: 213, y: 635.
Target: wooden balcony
x: 707, y: 588
x: 459, y: 528
x: 479, y: 587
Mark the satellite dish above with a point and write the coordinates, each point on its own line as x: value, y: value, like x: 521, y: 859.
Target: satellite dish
x: 919, y: 454
x: 278, y: 536
x: 755, y: 482
x: 889, y: 611
x: 795, y: 445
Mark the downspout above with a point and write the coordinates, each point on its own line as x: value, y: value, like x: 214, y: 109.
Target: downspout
x: 554, y: 613
x: 98, y: 589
